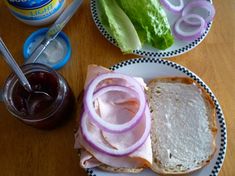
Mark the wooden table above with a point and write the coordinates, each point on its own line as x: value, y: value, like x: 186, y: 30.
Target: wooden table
x: 26, y: 151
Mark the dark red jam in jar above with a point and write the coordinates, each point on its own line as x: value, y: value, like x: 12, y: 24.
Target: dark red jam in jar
x: 49, y: 104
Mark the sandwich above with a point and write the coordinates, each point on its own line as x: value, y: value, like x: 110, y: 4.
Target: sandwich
x: 173, y: 134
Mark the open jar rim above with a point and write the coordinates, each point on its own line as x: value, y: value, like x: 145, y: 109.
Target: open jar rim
x: 11, y: 82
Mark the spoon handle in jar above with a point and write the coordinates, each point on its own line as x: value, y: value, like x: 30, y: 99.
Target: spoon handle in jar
x: 14, y: 66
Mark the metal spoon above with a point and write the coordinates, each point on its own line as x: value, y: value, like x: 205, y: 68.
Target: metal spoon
x: 34, y: 94
x: 14, y: 66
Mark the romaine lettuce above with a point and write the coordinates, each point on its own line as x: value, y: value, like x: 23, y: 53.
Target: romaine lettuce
x: 120, y: 26
x: 150, y: 21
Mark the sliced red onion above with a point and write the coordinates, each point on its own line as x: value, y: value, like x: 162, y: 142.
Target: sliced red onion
x: 106, y: 126
x: 110, y: 151
x: 171, y: 7
x: 192, y: 35
x: 201, y: 4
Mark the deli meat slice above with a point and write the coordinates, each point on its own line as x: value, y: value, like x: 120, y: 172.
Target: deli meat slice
x: 114, y: 107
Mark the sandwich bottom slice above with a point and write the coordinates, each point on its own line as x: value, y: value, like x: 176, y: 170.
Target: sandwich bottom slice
x: 183, y: 125
x: 122, y: 170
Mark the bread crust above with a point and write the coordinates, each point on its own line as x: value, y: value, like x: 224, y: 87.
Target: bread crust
x: 120, y: 170
x: 212, y: 122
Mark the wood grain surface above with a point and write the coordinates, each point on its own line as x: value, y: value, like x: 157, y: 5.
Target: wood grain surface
x: 25, y: 151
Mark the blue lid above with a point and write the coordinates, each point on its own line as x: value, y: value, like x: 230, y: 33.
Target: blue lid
x: 57, y: 53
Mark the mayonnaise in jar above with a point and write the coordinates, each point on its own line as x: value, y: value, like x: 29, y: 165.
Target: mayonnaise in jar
x: 36, y: 12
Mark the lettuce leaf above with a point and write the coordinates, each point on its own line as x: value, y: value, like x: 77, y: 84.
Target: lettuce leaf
x: 120, y: 26
x: 150, y: 21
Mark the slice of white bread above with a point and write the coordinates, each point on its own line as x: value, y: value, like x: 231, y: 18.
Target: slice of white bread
x: 120, y: 170
x: 183, y: 125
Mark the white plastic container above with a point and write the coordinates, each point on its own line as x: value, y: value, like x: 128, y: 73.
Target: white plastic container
x: 36, y: 12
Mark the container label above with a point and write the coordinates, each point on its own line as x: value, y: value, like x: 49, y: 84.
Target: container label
x: 28, y: 4
x: 41, y: 9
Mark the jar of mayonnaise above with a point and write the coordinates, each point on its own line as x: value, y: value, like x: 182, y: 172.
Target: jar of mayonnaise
x: 36, y: 12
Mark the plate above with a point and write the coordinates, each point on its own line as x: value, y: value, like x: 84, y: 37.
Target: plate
x: 149, y: 68
x: 179, y: 47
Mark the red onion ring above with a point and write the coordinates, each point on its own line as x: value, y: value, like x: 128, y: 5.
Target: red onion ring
x: 171, y: 7
x: 202, y: 4
x: 114, y: 152
x: 106, y: 126
x: 192, y: 35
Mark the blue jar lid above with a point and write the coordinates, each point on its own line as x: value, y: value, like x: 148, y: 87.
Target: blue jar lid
x: 57, y: 53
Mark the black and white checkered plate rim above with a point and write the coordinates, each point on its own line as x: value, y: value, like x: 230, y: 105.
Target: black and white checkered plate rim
x: 142, y: 52
x: 223, y: 132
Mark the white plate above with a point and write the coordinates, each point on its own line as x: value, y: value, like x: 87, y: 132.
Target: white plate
x: 179, y: 47
x: 149, y: 68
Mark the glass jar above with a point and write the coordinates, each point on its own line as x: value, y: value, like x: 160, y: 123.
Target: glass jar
x: 36, y: 12
x: 36, y: 109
